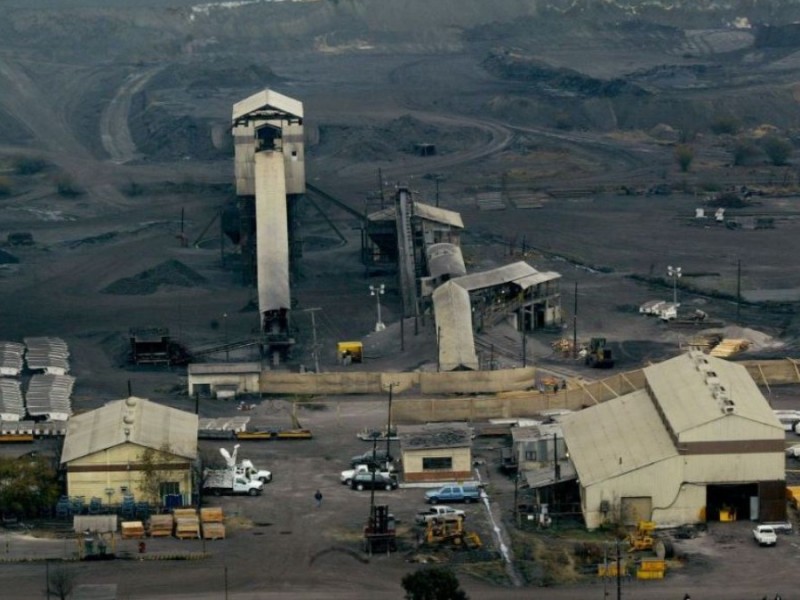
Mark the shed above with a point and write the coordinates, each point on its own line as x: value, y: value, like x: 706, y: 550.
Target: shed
x: 131, y: 447
x: 436, y: 452
x: 698, y: 439
x: 208, y: 379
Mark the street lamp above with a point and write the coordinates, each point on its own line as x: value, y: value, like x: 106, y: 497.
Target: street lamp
x: 378, y: 291
x: 675, y: 273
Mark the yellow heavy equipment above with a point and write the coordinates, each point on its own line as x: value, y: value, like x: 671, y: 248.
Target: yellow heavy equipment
x: 450, y: 530
x: 642, y: 538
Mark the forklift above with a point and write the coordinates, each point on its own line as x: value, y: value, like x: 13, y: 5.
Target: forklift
x: 598, y: 354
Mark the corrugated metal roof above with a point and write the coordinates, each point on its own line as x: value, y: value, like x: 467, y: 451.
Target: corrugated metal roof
x: 453, y: 314
x: 684, y: 388
x: 11, y: 358
x: 12, y: 407
x: 50, y: 396
x: 532, y: 433
x: 224, y: 368
x: 272, y: 234
x: 424, y: 211
x: 267, y: 104
x: 434, y: 435
x: 616, y: 437
x: 134, y: 420
x: 519, y: 273
x: 445, y: 259
x: 546, y: 476
x: 440, y: 215
x: 50, y: 354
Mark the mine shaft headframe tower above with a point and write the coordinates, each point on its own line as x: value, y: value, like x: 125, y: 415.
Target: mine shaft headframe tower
x: 270, y: 178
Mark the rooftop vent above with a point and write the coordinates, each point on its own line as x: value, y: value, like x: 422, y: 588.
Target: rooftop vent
x: 131, y: 401
x: 128, y: 419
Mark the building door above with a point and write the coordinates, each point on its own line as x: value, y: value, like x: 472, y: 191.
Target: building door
x: 635, y: 509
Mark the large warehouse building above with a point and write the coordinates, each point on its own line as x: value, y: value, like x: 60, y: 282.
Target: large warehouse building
x: 106, y: 453
x: 700, y: 440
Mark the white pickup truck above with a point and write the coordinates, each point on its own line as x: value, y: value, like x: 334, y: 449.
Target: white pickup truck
x: 765, y: 535
x: 346, y: 476
x: 438, y: 511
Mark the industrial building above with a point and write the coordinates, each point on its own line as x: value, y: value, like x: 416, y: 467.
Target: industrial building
x: 223, y: 380
x: 699, y: 442
x: 436, y: 452
x: 531, y: 298
x: 104, y: 453
x: 270, y: 178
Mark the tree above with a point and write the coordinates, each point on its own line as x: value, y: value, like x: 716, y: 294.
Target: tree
x: 743, y: 152
x: 684, y: 155
x: 778, y: 149
x: 433, y: 583
x: 28, y: 486
x: 60, y: 582
x: 153, y: 473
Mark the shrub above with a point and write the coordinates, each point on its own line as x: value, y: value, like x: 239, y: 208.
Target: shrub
x: 778, y: 149
x: 28, y: 165
x: 725, y: 125
x: 684, y: 155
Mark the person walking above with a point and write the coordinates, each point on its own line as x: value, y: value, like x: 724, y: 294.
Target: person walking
x: 318, y: 498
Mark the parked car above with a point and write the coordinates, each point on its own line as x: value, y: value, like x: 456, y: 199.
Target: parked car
x: 454, y: 493
x: 367, y: 458
x: 380, y: 481
x: 439, y: 512
x: 346, y: 476
x: 765, y: 535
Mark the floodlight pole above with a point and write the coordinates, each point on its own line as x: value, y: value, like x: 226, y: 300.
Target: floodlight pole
x: 675, y: 273
x: 378, y: 291
x: 391, y: 387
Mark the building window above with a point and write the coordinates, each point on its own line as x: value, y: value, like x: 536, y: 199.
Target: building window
x: 169, y: 488
x: 530, y: 455
x: 437, y: 463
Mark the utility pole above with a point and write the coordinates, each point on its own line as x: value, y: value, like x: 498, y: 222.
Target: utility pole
x: 380, y: 186
x: 391, y: 387
x: 524, y: 349
x: 225, y: 326
x: 619, y: 574
x: 738, y: 291
x: 315, y: 346
x: 575, y: 324
x: 436, y: 179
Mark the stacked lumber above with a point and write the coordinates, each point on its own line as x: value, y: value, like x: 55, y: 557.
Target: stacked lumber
x: 132, y: 530
x: 728, y: 347
x: 187, y: 523
x: 160, y: 526
x: 211, y: 519
x: 564, y: 345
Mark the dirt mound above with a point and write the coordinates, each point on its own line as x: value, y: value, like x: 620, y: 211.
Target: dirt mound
x: 170, y: 272
x: 400, y: 136
x: 210, y: 75
x: 518, y: 67
x: 163, y: 136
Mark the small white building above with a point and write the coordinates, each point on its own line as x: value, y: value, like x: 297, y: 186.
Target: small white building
x: 224, y: 380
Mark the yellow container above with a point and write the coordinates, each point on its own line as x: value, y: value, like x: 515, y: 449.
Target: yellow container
x: 652, y: 564
x: 649, y: 574
x: 610, y: 570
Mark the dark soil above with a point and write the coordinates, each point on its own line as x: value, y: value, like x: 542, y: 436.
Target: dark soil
x: 168, y: 273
